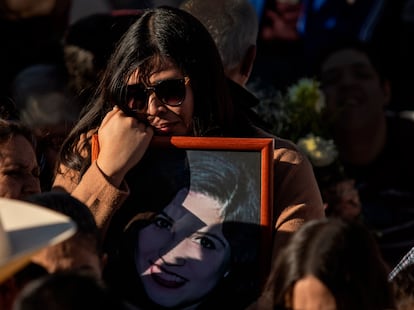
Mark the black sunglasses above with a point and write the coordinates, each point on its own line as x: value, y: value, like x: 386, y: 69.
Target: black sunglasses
x: 169, y: 92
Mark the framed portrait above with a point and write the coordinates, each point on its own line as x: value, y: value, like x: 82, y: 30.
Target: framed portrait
x: 255, y: 155
x: 199, y: 201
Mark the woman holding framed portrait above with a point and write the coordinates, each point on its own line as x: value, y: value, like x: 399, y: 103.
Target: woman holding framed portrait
x: 166, y: 79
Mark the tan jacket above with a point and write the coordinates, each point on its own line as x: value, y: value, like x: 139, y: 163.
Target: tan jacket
x: 296, y: 193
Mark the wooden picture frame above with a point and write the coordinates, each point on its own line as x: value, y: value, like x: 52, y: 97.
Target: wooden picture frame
x: 242, y: 166
x: 264, y: 148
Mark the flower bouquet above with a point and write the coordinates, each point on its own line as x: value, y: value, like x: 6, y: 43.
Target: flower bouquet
x: 298, y: 115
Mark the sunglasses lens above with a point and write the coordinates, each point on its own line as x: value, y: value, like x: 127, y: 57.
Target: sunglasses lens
x: 137, y: 97
x: 171, y: 92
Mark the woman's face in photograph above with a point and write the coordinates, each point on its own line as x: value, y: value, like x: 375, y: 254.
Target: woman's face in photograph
x: 183, y: 254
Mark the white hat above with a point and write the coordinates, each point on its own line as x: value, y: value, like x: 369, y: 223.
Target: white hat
x: 26, y: 228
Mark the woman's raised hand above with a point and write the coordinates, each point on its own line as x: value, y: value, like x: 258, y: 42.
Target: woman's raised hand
x: 123, y: 141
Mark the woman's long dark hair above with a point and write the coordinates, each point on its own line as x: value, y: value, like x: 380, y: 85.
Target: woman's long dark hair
x: 343, y: 255
x: 160, y: 35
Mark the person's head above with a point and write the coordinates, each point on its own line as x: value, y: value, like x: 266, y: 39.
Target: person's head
x: 16, y: 9
x: 279, y: 22
x: 56, y: 10
x: 234, y: 26
x: 167, y: 71
x: 342, y: 199
x: 170, y: 46
x: 83, y: 251
x: 339, y: 260
x: 19, y: 170
x: 356, y: 94
x: 70, y: 290
x: 47, y: 107
x: 54, y: 14
x: 205, y: 236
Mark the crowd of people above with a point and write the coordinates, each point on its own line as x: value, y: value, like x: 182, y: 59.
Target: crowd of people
x: 84, y: 99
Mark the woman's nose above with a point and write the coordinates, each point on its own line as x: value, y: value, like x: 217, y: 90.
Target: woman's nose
x: 154, y: 105
x: 175, y: 254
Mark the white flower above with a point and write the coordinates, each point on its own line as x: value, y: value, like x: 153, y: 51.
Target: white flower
x: 295, y: 90
x: 321, y: 152
x: 307, y: 92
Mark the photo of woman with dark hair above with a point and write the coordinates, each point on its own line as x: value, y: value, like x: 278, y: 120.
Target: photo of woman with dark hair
x: 204, y: 243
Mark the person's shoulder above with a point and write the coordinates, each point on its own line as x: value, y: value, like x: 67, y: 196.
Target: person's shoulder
x: 241, y: 96
x: 284, y: 149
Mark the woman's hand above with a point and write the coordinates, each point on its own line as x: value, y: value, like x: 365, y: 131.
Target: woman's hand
x: 123, y: 141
